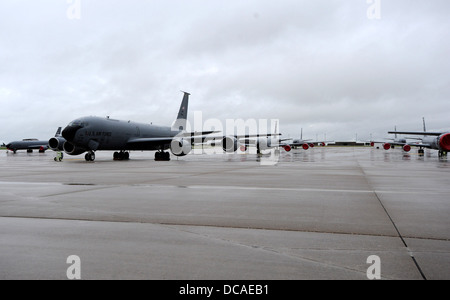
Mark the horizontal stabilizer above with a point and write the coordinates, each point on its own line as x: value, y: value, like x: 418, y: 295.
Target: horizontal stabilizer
x: 416, y: 133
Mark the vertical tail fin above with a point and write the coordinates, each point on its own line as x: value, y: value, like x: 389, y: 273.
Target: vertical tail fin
x: 424, y: 128
x: 180, y: 123
x: 58, y: 132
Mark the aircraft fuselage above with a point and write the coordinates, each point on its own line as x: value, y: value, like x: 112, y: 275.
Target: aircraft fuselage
x: 96, y: 133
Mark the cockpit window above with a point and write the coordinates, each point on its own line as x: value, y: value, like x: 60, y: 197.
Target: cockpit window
x: 78, y: 123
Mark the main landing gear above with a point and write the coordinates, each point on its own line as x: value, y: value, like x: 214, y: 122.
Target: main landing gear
x: 161, y: 155
x: 90, y: 156
x: 442, y: 154
x: 122, y: 155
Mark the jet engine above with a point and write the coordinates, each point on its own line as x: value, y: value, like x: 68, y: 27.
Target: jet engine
x: 71, y: 149
x: 406, y: 148
x: 229, y: 144
x: 305, y: 146
x: 56, y: 143
x: 287, y: 148
x: 386, y: 146
x: 444, y: 142
x: 180, y: 147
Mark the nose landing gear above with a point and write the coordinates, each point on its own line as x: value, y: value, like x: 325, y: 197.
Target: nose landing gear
x: 90, y: 156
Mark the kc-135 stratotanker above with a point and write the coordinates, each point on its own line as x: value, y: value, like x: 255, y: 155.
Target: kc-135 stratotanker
x: 91, y: 134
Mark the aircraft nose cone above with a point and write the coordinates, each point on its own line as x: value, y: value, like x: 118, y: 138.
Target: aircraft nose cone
x: 69, y: 132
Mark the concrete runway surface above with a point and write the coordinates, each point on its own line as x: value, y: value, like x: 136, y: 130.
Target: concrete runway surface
x: 315, y: 214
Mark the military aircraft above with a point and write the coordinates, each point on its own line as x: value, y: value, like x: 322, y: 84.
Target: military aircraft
x: 406, y: 146
x: 433, y: 140
x: 264, y: 143
x: 30, y: 144
x: 90, y: 134
x: 306, y: 144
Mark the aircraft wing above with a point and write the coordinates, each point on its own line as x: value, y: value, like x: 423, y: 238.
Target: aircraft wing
x: 298, y: 144
x: 416, y: 133
x: 421, y: 145
x: 194, y: 137
x: 196, y: 133
x: 239, y: 137
x: 36, y: 147
x: 148, y: 143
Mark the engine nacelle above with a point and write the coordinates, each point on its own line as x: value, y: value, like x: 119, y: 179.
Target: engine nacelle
x: 444, y: 142
x: 71, y: 149
x: 305, y: 146
x: 386, y: 146
x: 287, y: 148
x: 229, y: 144
x: 56, y: 143
x: 406, y: 148
x: 180, y: 147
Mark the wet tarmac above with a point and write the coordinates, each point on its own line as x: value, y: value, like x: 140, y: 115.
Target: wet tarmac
x: 315, y: 214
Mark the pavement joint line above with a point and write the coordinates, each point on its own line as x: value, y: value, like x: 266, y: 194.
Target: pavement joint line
x: 395, y: 226
x: 212, y: 226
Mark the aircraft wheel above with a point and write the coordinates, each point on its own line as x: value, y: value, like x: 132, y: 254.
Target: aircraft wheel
x: 165, y: 156
x: 89, y: 156
x: 126, y: 155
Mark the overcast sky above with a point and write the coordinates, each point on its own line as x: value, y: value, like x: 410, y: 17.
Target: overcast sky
x: 336, y: 67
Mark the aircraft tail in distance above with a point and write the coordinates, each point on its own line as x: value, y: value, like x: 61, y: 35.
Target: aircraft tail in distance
x: 180, y: 123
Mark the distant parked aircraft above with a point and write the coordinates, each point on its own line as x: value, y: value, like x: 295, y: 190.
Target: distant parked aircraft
x: 433, y: 140
x: 406, y: 146
x: 30, y: 144
x: 306, y: 144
